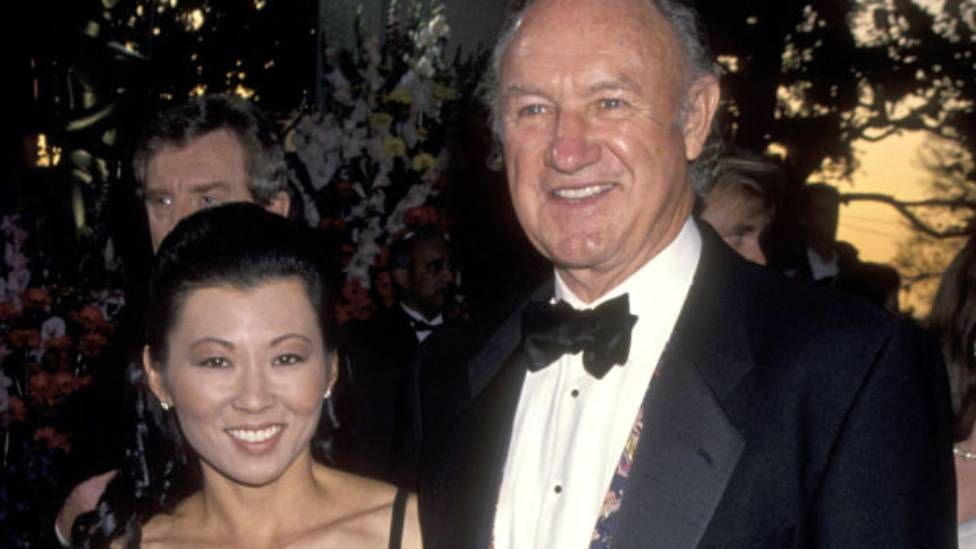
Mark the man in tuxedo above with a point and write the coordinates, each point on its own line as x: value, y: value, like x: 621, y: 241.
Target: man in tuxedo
x: 373, y: 401
x: 660, y: 391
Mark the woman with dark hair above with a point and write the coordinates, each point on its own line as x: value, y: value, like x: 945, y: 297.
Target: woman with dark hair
x: 239, y: 355
x: 953, y: 318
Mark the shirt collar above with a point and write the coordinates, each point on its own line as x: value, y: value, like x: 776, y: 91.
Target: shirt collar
x: 417, y: 315
x: 673, y: 267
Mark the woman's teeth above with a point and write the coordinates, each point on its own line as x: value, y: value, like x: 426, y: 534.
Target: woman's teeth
x: 260, y: 435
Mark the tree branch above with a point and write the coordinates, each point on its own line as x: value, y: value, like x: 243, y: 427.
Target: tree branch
x: 904, y: 208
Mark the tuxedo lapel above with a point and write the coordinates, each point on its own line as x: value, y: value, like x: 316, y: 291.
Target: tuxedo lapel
x: 502, y: 344
x: 473, y: 449
x: 473, y: 458
x: 689, y: 447
x: 686, y: 455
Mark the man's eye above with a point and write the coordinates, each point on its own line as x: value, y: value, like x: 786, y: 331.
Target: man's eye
x: 287, y: 359
x: 532, y: 110
x: 159, y: 201
x: 214, y: 362
x: 611, y: 103
x: 209, y: 200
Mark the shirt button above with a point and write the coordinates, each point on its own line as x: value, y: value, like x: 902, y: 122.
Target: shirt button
x: 558, y: 489
x: 574, y: 393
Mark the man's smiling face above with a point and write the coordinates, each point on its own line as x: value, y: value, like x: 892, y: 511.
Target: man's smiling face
x: 595, y: 145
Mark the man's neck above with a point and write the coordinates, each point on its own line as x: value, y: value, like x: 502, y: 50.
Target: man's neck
x: 591, y: 283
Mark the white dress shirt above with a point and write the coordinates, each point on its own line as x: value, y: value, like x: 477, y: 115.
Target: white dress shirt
x: 570, y: 428
x: 820, y: 268
x: 417, y: 315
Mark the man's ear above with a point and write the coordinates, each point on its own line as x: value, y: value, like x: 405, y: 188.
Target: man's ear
x: 699, y: 110
x: 155, y: 379
x: 280, y: 203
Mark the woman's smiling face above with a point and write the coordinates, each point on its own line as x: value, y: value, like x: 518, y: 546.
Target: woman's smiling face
x: 246, y: 370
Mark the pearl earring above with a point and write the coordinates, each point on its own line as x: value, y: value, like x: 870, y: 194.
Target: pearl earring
x: 165, y: 405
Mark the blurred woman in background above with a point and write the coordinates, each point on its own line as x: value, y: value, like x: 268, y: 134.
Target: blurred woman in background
x: 953, y: 318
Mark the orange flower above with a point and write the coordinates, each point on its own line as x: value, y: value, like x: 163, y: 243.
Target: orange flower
x: 92, y: 343
x: 25, y: 339
x: 63, y: 384
x: 421, y: 216
x: 16, y: 411
x: 354, y: 293
x: 332, y: 224
x: 415, y: 217
x: 39, y: 388
x: 344, y: 189
x: 8, y: 311
x: 37, y: 298
x: 91, y: 318
x: 52, y: 438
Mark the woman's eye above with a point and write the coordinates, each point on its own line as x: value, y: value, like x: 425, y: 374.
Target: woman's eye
x: 214, y: 362
x: 288, y: 359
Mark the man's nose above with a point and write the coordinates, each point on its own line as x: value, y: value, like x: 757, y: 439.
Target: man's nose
x: 254, y: 392
x: 571, y: 149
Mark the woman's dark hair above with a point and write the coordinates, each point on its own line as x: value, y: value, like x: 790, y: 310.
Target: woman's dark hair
x: 239, y: 245
x: 953, y: 318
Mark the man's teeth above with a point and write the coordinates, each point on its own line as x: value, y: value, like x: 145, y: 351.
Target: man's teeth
x: 260, y: 435
x: 582, y: 192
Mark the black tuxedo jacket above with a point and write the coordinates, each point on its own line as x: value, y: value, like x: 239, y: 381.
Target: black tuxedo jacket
x: 782, y: 416
x: 373, y: 397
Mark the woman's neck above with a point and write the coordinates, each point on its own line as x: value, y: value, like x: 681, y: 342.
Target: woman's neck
x: 258, y: 514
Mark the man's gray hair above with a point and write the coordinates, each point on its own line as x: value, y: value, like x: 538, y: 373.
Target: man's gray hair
x: 698, y: 60
x: 177, y: 126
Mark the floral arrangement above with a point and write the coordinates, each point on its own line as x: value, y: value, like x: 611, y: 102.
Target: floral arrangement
x: 370, y: 160
x: 49, y: 335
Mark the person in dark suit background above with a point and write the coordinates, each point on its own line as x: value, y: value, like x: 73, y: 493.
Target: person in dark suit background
x: 373, y: 401
x: 660, y: 391
x: 211, y: 150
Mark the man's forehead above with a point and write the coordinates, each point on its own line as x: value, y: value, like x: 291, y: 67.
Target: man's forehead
x: 582, y: 34
x: 431, y: 247
x: 215, y: 158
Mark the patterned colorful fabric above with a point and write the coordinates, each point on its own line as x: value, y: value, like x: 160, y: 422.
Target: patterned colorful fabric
x: 606, y: 523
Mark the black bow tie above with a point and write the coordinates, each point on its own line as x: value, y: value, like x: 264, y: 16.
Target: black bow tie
x: 421, y: 326
x: 603, y: 334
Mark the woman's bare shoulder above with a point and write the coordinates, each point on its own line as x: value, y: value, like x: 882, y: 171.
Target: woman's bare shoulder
x: 365, y: 515
x: 178, y: 529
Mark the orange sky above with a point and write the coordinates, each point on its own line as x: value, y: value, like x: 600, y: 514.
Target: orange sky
x: 890, y: 166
